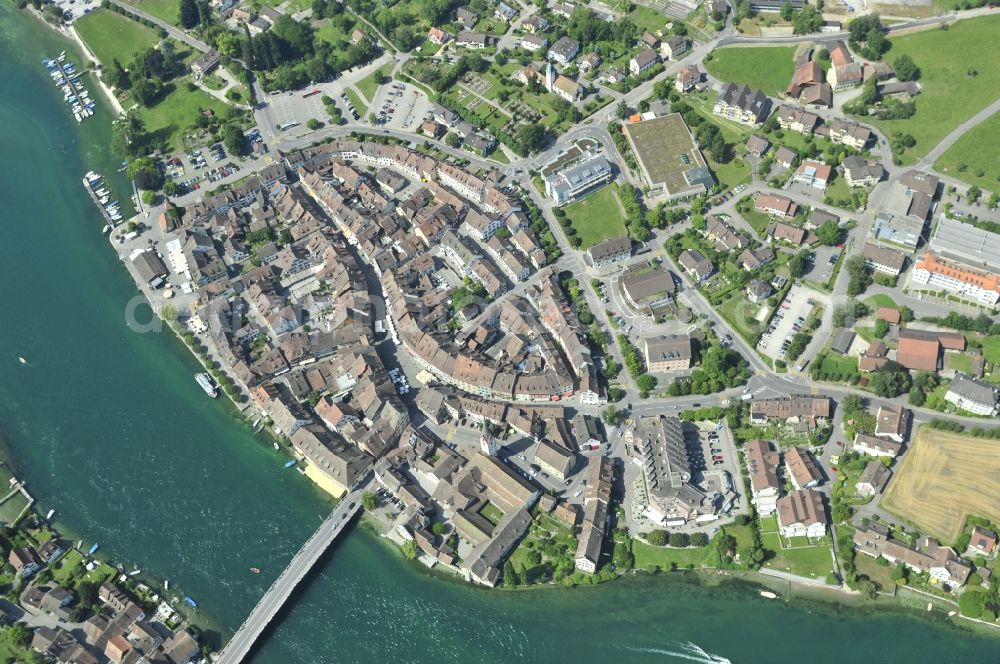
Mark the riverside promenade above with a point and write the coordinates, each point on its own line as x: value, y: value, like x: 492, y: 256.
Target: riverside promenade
x: 277, y: 595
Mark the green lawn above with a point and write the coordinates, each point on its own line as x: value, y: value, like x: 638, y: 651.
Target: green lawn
x: 647, y: 19
x: 736, y: 310
x: 63, y: 569
x: 976, y: 150
x: 491, y: 513
x: 331, y: 33
x: 880, y: 574
x: 769, y: 68
x: 360, y: 106
x: 165, y: 10
x: 991, y: 349
x: 840, y: 364
x: 880, y: 300
x: 958, y: 76
x: 737, y: 171
x: 958, y: 362
x: 178, y: 111
x: 367, y: 86
x: 597, y: 217
x: 655, y: 558
x: 798, y: 556
x: 112, y: 36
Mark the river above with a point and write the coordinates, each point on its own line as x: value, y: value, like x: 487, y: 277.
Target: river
x: 109, y: 429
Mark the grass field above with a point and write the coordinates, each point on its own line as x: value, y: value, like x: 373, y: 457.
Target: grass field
x: 491, y: 513
x: 367, y: 86
x: 360, y: 106
x: 165, y: 10
x: 766, y: 67
x: 977, y: 151
x: 811, y: 559
x: 177, y: 111
x: 991, y: 349
x: 959, y: 78
x: 941, y: 481
x: 737, y: 310
x: 647, y: 19
x: 597, y: 217
x: 112, y: 36
x: 656, y: 558
x: 840, y: 364
x: 880, y: 300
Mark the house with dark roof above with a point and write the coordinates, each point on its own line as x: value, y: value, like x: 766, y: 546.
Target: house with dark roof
x: 742, y: 104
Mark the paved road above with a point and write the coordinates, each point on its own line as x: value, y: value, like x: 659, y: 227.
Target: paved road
x: 267, y: 608
x: 172, y: 30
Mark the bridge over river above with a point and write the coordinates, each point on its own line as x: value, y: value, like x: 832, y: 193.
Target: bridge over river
x: 277, y: 595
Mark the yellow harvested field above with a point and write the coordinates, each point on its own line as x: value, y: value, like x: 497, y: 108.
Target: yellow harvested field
x: 943, y: 478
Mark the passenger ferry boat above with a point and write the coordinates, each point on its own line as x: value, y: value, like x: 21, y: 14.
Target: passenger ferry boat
x: 205, y: 381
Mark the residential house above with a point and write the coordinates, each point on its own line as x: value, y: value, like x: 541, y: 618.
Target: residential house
x: 982, y: 541
x: 802, y: 468
x: 564, y: 50
x: 797, y: 119
x: 794, y: 411
x: 589, y: 62
x: 861, y: 172
x: 775, y: 206
x: 610, y: 251
x: 687, y: 78
x: 758, y: 291
x: 583, y: 175
x: 567, y: 88
x: 762, y: 464
x: 554, y: 459
x: 467, y: 16
x: 695, y: 264
x: 884, y: 260
x: 535, y: 24
x: 972, y: 395
x: 846, y: 76
x: 785, y: 156
x: 675, y: 46
x: 206, y: 63
x: 874, y: 479
x: 892, y: 422
x: 813, y: 173
x: 504, y: 12
x: 849, y: 133
x: 470, y: 39
x: 667, y: 353
x: 918, y: 350
x: 643, y: 62
x: 742, y: 104
x: 438, y: 36
x: 802, y: 514
x: 757, y: 145
x: 532, y: 42
x: 877, y: 447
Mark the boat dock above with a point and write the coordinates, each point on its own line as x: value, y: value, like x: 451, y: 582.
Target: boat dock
x: 67, y: 79
x: 101, y: 195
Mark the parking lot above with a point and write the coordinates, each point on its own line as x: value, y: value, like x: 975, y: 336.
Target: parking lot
x: 291, y: 109
x: 205, y: 165
x: 74, y: 9
x: 400, y: 106
x: 824, y: 260
x: 788, y: 319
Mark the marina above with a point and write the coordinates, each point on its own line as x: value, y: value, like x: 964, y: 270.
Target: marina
x: 102, y: 197
x: 67, y: 79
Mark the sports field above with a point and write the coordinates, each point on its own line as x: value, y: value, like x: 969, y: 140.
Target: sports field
x: 943, y: 478
x: 113, y: 37
x: 597, y: 217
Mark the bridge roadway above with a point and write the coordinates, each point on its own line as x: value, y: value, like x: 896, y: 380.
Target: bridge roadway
x: 239, y: 646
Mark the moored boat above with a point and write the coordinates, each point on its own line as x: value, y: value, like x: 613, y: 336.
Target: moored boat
x: 205, y: 381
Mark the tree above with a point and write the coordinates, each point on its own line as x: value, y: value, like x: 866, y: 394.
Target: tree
x: 828, y: 232
x: 859, y: 274
x: 699, y: 539
x: 235, y: 141
x: 510, y: 576
x: 678, y: 540
x: 612, y: 416
x: 438, y: 528
x: 189, y: 14
x: 786, y: 11
x: 452, y: 140
x: 645, y: 383
x: 890, y: 381
x: 906, y: 69
x: 798, y: 264
x: 148, y: 197
x: 916, y: 397
x: 313, y: 124
x: 410, y: 549
x: 145, y: 173
x: 533, y: 557
x: 621, y: 110
x: 368, y: 501
x: 116, y: 76
x: 867, y: 588
x: 529, y: 138
x: 881, y: 328
x: 657, y: 537
x: 972, y: 603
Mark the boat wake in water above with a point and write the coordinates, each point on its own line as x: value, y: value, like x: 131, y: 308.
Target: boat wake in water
x: 691, y: 652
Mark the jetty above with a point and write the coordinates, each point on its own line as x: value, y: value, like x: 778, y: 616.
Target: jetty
x: 238, y: 648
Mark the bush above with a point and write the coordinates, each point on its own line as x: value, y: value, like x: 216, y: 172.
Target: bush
x: 657, y: 538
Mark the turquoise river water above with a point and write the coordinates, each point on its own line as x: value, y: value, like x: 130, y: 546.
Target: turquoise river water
x: 109, y: 429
